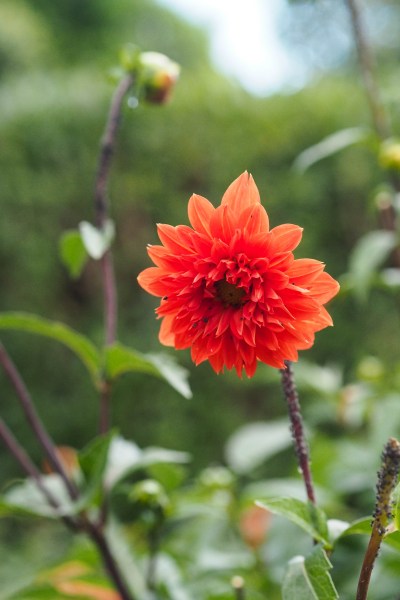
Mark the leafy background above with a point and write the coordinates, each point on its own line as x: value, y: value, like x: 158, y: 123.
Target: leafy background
x: 54, y: 95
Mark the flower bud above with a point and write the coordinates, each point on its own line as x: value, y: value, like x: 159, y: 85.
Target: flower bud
x: 157, y: 76
x: 254, y: 523
x: 149, y: 494
x: 389, y: 154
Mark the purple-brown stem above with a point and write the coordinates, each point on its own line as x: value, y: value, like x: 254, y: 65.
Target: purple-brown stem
x: 34, y: 420
x: 297, y: 429
x: 387, y: 212
x: 366, y: 61
x: 101, y: 203
x: 387, y: 479
x: 30, y: 469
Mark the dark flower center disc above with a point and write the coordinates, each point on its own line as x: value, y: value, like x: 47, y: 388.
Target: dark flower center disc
x: 229, y: 293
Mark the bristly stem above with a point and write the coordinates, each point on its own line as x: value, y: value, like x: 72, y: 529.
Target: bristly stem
x: 101, y: 203
x: 387, y: 479
x: 297, y: 429
x: 365, y: 59
x: 34, y: 420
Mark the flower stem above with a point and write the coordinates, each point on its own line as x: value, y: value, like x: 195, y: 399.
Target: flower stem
x: 387, y: 211
x: 97, y: 535
x: 101, y: 203
x: 20, y: 455
x: 238, y: 586
x: 34, y: 420
x: 297, y: 429
x: 365, y: 59
x: 387, y: 479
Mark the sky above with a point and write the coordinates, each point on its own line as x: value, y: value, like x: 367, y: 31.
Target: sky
x: 245, y: 42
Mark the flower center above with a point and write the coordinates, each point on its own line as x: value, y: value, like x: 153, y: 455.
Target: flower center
x: 229, y: 293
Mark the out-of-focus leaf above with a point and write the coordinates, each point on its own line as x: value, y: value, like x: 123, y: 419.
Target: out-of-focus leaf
x: 169, y: 576
x: 310, y: 518
x: 392, y: 539
x: 329, y: 146
x: 79, y: 344
x: 27, y: 499
x: 72, y: 252
x: 335, y: 528
x: 308, y: 578
x: 324, y: 380
x: 120, y: 359
x: 93, y: 461
x: 125, y: 457
x: 97, y: 241
x: 391, y: 277
x: 252, y: 444
x: 360, y: 526
x: 368, y: 254
x: 124, y: 556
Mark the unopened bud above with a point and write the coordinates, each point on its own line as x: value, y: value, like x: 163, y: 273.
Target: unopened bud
x: 157, y: 76
x: 389, y: 154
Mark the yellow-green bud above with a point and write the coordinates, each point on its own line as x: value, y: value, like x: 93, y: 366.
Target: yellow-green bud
x: 389, y: 154
x: 157, y: 76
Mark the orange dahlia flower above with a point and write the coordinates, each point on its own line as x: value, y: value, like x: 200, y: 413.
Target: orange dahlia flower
x: 231, y: 289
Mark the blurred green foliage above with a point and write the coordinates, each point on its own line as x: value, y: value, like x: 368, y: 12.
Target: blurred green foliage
x: 53, y: 102
x: 55, y: 90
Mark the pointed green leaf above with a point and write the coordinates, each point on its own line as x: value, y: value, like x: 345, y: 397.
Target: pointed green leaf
x: 308, y: 578
x: 72, y: 252
x: 368, y: 254
x: 254, y: 443
x: 79, y: 344
x: 120, y: 359
x: 310, y: 518
x: 329, y: 146
x: 93, y: 462
x: 26, y: 499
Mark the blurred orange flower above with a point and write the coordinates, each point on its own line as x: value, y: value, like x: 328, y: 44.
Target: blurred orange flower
x: 231, y: 289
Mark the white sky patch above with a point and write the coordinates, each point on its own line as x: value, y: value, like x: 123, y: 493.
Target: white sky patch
x: 245, y: 40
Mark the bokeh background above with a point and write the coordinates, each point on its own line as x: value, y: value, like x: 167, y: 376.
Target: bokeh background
x: 55, y: 89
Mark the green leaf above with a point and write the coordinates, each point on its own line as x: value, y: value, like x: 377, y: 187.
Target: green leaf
x: 308, y: 578
x: 79, y: 344
x: 310, y: 518
x: 254, y: 443
x: 124, y: 457
x: 97, y: 241
x: 368, y: 254
x: 329, y: 146
x: 360, y: 526
x: 93, y: 462
x: 120, y: 359
x: 26, y: 499
x: 72, y: 252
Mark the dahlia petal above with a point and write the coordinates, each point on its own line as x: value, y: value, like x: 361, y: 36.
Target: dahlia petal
x: 222, y: 224
x: 163, y: 258
x: 304, y: 270
x: 171, y: 238
x: 254, y: 219
x: 285, y: 237
x: 242, y: 193
x: 166, y: 334
x: 324, y: 288
x: 217, y: 362
x: 200, y: 211
x: 151, y: 280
